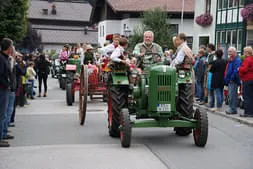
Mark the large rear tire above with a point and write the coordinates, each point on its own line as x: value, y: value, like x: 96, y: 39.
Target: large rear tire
x: 83, y: 94
x: 200, y: 134
x: 69, y: 95
x: 117, y: 100
x: 184, y: 107
x: 126, y: 129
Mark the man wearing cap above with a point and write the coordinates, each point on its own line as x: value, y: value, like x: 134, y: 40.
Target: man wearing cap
x: 5, y: 74
x: 147, y: 46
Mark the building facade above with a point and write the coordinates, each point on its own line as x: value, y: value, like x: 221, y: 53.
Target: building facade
x: 61, y: 22
x: 120, y: 16
x: 231, y: 28
x: 204, y: 34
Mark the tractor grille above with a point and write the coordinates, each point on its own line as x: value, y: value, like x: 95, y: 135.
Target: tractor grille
x: 163, y: 96
x: 164, y: 80
x: 163, y: 88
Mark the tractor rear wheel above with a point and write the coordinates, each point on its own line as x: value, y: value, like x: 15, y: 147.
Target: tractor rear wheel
x: 83, y: 94
x: 200, y: 134
x: 117, y: 100
x: 184, y: 107
x: 69, y: 96
x: 126, y: 130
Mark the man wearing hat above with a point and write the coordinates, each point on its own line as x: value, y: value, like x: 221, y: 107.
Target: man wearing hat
x: 89, y: 56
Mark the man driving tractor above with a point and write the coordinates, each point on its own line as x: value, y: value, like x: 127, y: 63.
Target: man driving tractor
x: 148, y: 46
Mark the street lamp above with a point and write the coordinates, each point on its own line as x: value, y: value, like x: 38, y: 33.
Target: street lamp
x: 127, y: 32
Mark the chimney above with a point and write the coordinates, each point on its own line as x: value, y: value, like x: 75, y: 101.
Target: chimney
x: 53, y: 12
x: 45, y: 11
x: 85, y: 30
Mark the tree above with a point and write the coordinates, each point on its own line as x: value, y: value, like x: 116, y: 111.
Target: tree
x: 157, y: 21
x: 32, y: 40
x: 13, y: 19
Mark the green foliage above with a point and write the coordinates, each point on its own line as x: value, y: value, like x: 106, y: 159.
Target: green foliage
x: 157, y: 21
x: 137, y: 37
x: 13, y: 19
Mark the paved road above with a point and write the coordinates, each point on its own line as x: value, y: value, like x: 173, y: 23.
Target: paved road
x: 48, y: 136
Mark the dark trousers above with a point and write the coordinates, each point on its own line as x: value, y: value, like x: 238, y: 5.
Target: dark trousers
x: 248, y: 97
x: 43, y: 77
x: 14, y: 110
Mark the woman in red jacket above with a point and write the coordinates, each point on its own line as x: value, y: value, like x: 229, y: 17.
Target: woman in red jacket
x: 246, y: 75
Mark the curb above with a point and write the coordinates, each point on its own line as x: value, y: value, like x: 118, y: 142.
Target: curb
x: 242, y: 120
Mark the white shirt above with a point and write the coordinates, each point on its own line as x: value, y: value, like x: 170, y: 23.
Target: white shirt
x: 108, y: 49
x: 80, y: 51
x: 180, y: 55
x: 115, y: 56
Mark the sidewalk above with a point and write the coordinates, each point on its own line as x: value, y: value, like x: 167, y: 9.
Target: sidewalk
x: 244, y: 120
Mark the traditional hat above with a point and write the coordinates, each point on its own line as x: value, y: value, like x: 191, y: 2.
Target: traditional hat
x: 89, y: 47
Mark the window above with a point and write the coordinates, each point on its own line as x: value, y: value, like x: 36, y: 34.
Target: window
x: 203, y: 40
x: 228, y: 37
x: 208, y: 6
x: 174, y: 29
x: 223, y: 37
x: 218, y: 37
x: 239, y: 40
x: 234, y: 39
x: 100, y: 31
x: 124, y: 27
x: 230, y: 3
x: 224, y: 4
x: 103, y: 31
x: 220, y: 4
x: 241, y: 3
x: 189, y: 41
x: 236, y: 3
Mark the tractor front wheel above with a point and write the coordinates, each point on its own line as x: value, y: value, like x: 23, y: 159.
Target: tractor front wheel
x: 125, y: 130
x: 184, y: 107
x: 200, y: 133
x: 117, y: 100
x: 69, y: 96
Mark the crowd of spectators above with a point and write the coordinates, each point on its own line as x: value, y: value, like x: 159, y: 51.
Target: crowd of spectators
x: 18, y: 73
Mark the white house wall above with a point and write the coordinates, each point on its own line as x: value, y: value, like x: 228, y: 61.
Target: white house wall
x: 111, y: 27
x: 200, y: 31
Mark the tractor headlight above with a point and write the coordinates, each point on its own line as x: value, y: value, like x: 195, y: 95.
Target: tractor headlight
x: 181, y: 74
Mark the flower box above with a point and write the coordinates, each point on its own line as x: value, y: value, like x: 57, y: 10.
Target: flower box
x: 247, y: 12
x: 204, y: 19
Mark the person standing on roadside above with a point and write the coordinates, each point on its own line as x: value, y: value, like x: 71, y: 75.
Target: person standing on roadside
x: 11, y: 95
x: 209, y: 60
x: 43, y: 71
x: 217, y: 83
x: 6, y: 50
x: 232, y: 80
x: 246, y: 75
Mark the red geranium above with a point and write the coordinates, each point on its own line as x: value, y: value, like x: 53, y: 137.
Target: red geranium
x: 247, y: 12
x: 204, y: 19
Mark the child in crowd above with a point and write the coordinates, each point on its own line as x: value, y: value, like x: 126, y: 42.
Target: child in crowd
x: 31, y: 78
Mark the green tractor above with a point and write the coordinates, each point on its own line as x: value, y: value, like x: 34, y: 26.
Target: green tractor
x: 62, y: 76
x: 161, y: 97
x: 72, y: 82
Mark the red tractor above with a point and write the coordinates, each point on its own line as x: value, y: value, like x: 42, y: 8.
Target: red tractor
x: 90, y: 85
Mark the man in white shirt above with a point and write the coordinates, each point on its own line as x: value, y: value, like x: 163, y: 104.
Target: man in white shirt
x: 182, y: 52
x: 117, y: 55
